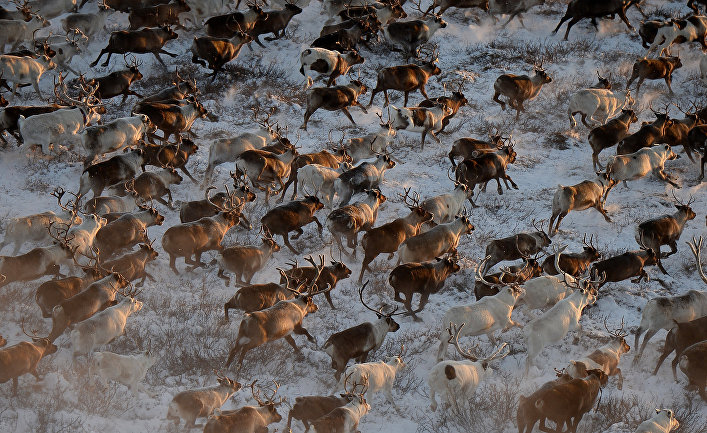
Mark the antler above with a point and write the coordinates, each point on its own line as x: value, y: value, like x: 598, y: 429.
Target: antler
x: 480, y: 276
x: 696, y: 248
x: 378, y: 311
x: 413, y: 202
x: 312, y: 284
x: 538, y: 225
x: 617, y: 333
x: 454, y: 333
x: 680, y: 202
x: 591, y: 241
x: 61, y: 235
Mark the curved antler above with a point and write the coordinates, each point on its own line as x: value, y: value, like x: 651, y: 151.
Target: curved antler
x: 696, y: 248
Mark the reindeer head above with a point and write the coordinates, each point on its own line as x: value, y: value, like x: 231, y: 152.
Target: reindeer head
x: 685, y: 207
x: 228, y: 384
x: 590, y: 249
x: 269, y: 403
x: 619, y: 335
x: 413, y: 203
x: 270, y: 243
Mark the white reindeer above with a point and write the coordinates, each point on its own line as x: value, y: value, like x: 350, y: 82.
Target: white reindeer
x: 459, y: 379
x: 103, y: 327
x: 485, y: 316
x: 379, y: 375
x: 597, y: 104
x: 129, y: 370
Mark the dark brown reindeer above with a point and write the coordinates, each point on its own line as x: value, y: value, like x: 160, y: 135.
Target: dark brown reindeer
x: 424, y: 278
x: 312, y: 407
x: 627, y: 265
x: 574, y: 264
x: 516, y: 246
x: 172, y: 155
x: 480, y: 170
x: 275, y: 22
x: 126, y: 231
x: 197, y: 209
x: 388, y: 237
x: 283, y: 219
x: 469, y: 148
x: 139, y: 42
x: 117, y: 83
x: 578, y: 10
x: 226, y: 26
x: 519, y: 88
x: 665, y: 230
x: 608, y: 135
x: 216, y: 52
x: 359, y: 341
x: 329, y: 276
x: 158, y: 15
x: 646, y: 136
x: 405, y: 78
x: 257, y: 297
x: 333, y: 99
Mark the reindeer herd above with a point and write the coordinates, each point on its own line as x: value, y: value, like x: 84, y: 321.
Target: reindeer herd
x: 100, y: 234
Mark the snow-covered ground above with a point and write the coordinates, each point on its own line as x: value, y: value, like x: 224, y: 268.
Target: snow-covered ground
x: 182, y: 319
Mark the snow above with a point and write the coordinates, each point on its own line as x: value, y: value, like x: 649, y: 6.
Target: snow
x: 182, y: 316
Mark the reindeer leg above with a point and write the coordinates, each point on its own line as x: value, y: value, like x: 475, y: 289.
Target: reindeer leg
x: 320, y: 228
x: 601, y: 209
x: 346, y: 112
x: 299, y: 232
x: 157, y: 56
x: 286, y: 240
x: 495, y: 99
x: 291, y: 342
x: 173, y: 263
x: 299, y: 330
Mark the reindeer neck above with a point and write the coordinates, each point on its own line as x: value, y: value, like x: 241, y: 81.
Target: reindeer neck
x: 681, y: 218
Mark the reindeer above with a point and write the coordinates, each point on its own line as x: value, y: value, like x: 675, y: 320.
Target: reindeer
x: 217, y: 51
x: 405, y: 78
x: 327, y: 62
x: 333, y: 99
x: 574, y: 264
x: 103, y: 327
x: 359, y: 341
x: 283, y: 219
x: 118, y: 168
x: 118, y: 83
x: 193, y: 238
x: 459, y: 379
x: 263, y: 167
x: 654, y: 69
x: 439, y: 240
x: 22, y: 358
x: 411, y: 34
x: 662, y: 312
x: 172, y: 156
x: 311, y: 407
x: 365, y: 176
x: 372, y: 144
x: 481, y: 170
x: 489, y: 314
x: 606, y: 358
x: 664, y: 419
x: 225, y: 26
x: 275, y: 22
x: 324, y: 158
x: 96, y: 297
x: 348, y: 220
x: 584, y: 195
x: 129, y: 370
x: 172, y: 119
x: 139, y: 42
x: 519, y: 88
x: 195, y: 403
x: 451, y: 104
x: 279, y: 321
x: 245, y: 261
x: 445, y: 207
x: 679, y: 338
x: 126, y: 231
x: 646, y: 136
x: 517, y: 246
x: 379, y: 375
x: 248, y: 418
x: 388, y: 237
x: 608, y: 135
x: 345, y: 418
x: 526, y: 273
x: 578, y: 10
x: 197, y: 209
x: 423, y: 278
x: 329, y: 276
x: 665, y: 230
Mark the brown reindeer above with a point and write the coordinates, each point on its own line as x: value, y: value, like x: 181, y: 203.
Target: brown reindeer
x: 519, y: 88
x: 574, y: 264
x: 50, y: 293
x: 654, y: 69
x: 248, y: 418
x: 126, y: 231
x: 329, y: 276
x: 480, y: 170
x: 424, y: 278
x: 22, y: 358
x: 333, y: 99
x: 527, y: 414
x: 682, y: 336
x: 511, y: 275
x: 406, y: 78
x: 245, y: 261
x: 197, y: 209
x: 139, y: 42
x: 158, y: 15
x: 132, y: 265
x: 216, y: 52
x: 469, y: 148
x: 275, y: 22
x: 648, y: 135
x: 279, y: 321
x: 283, y: 219
x: 357, y: 342
x: 257, y: 297
x: 311, y: 407
x: 608, y: 135
x: 192, y: 239
x: 516, y: 246
x: 194, y: 403
x: 172, y: 118
x: 624, y: 266
x: 568, y: 402
x: 665, y: 230
x: 388, y: 237
x: 172, y: 155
